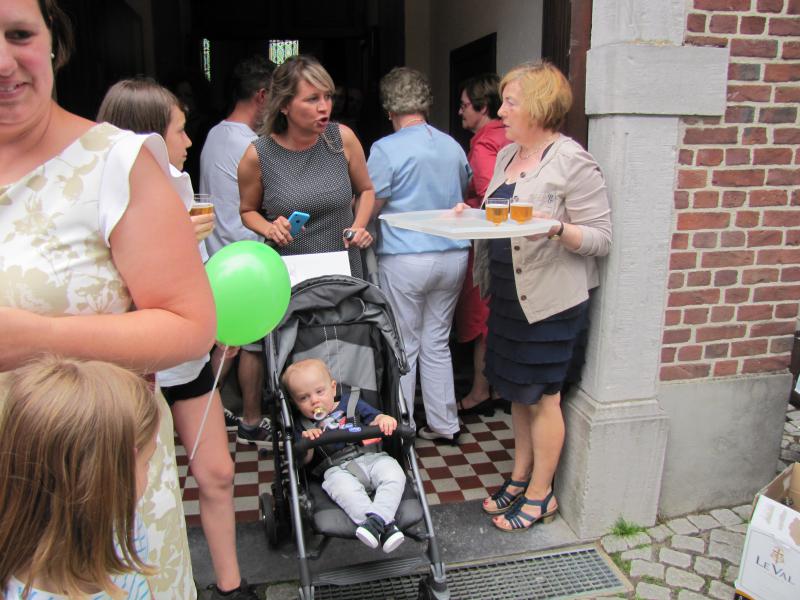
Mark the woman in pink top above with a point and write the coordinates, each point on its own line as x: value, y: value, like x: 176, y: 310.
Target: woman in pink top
x: 480, y: 101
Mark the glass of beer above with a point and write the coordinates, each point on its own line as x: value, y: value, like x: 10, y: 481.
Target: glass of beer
x: 497, y: 210
x: 202, y: 205
x: 521, y: 211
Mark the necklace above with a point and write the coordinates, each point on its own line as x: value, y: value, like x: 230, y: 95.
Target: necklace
x: 409, y: 123
x: 536, y: 150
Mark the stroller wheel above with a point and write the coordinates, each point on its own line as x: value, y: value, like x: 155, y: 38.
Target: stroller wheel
x: 306, y: 593
x: 267, y: 509
x: 429, y: 590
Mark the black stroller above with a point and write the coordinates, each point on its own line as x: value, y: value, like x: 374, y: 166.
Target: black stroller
x: 349, y: 324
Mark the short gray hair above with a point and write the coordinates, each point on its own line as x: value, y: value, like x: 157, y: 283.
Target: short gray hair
x: 405, y: 91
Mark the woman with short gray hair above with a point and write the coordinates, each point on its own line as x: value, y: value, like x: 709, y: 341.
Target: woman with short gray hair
x: 419, y: 167
x: 405, y: 91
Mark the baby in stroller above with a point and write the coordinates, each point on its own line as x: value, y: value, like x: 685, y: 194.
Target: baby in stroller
x: 349, y: 471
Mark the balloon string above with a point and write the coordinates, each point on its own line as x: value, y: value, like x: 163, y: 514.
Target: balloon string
x: 208, y: 405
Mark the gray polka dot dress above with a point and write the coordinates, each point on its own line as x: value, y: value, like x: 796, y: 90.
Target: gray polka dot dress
x: 315, y: 181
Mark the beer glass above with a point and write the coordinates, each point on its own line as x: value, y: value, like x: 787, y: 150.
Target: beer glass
x: 521, y: 210
x: 497, y: 210
x: 202, y: 205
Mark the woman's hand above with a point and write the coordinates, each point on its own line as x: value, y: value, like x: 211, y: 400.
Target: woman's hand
x: 362, y: 189
x: 279, y: 231
x: 359, y: 237
x: 460, y: 207
x: 203, y: 225
x: 555, y: 229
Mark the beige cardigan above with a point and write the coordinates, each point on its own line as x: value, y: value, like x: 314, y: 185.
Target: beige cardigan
x: 550, y: 278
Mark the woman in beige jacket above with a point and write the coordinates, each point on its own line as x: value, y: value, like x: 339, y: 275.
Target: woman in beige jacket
x: 539, y: 285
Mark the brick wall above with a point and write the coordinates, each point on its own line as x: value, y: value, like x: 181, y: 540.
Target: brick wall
x: 734, y: 280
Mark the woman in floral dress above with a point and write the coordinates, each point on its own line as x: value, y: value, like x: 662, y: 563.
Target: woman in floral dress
x: 87, y: 217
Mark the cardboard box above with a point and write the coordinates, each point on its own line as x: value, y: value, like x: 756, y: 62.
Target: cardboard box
x: 770, y: 567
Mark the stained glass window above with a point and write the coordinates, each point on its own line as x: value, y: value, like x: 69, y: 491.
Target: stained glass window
x: 280, y: 50
x: 207, y: 59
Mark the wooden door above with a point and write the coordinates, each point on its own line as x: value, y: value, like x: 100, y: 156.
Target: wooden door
x: 566, y: 34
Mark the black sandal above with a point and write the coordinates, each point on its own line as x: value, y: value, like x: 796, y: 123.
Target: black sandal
x: 520, y: 520
x: 504, y: 499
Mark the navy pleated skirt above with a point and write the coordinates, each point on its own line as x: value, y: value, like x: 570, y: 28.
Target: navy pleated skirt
x: 524, y: 361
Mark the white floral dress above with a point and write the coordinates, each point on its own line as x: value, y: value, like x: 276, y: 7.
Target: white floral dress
x: 55, y: 223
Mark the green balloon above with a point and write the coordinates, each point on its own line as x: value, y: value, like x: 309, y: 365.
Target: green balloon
x: 251, y: 289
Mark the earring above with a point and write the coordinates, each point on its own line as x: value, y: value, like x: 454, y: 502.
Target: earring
x: 52, y: 55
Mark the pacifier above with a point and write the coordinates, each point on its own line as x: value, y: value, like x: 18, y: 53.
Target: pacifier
x: 320, y: 413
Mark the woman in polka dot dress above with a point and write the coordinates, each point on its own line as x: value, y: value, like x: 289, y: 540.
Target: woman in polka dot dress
x: 304, y: 162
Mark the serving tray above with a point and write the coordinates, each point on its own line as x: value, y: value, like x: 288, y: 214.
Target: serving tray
x: 470, y: 224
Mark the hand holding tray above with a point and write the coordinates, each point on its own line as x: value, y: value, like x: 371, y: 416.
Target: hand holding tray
x: 470, y: 224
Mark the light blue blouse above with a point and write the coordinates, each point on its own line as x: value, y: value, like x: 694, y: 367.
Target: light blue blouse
x: 417, y: 168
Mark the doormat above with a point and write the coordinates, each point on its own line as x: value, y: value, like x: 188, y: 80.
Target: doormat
x: 584, y: 572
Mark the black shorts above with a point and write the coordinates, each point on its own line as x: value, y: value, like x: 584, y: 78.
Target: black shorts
x: 201, y: 385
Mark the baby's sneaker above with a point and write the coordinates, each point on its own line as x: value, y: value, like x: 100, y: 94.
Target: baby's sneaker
x: 370, y: 532
x: 391, y: 538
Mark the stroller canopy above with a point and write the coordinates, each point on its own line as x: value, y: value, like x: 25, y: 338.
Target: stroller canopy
x: 338, y: 300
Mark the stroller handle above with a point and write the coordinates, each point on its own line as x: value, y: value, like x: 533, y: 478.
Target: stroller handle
x: 333, y: 436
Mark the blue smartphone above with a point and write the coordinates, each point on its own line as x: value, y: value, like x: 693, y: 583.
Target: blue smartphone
x: 297, y: 219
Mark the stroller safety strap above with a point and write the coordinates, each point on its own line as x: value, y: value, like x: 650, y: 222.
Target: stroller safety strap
x: 350, y: 451
x: 352, y: 401
x: 344, y: 455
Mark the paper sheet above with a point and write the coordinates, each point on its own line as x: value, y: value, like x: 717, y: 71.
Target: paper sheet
x: 306, y: 266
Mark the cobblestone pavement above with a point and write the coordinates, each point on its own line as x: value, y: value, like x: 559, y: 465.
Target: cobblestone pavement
x: 697, y: 555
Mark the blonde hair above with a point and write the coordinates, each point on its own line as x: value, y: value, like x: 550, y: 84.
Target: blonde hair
x: 546, y: 93
x: 68, y: 472
x: 303, y: 365
x: 283, y: 89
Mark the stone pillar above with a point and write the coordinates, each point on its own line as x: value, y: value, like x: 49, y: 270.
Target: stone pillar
x: 639, y: 81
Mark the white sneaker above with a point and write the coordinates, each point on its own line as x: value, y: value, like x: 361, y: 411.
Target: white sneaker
x: 392, y: 537
x: 426, y: 433
x: 370, y: 532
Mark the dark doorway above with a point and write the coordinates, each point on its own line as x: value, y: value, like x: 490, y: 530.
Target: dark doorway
x: 109, y: 42
x: 171, y: 40
x: 469, y: 60
x: 357, y: 41
x: 566, y: 32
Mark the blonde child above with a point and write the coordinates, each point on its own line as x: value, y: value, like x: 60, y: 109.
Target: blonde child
x: 75, y: 441
x: 350, y: 471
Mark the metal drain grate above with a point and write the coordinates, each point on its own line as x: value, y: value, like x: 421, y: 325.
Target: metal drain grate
x: 578, y: 573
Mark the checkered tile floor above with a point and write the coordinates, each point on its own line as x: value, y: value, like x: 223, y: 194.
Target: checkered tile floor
x: 469, y: 471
